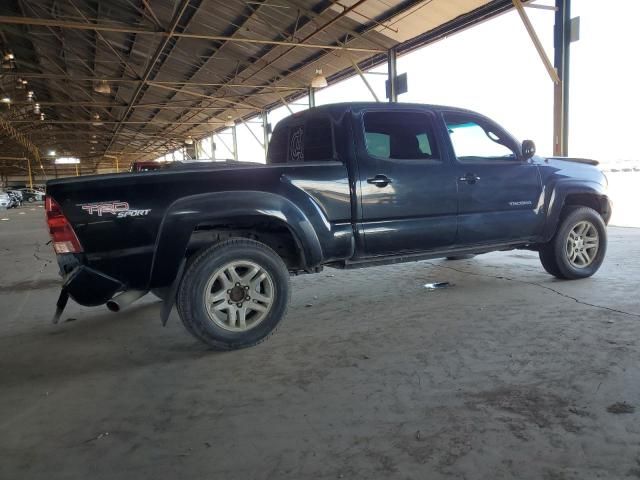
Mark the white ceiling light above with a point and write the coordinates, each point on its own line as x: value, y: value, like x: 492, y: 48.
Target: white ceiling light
x: 102, y: 87
x: 229, y: 123
x: 319, y: 80
x: 9, y: 56
x: 30, y: 95
x: 188, y: 140
x: 36, y: 108
x: 96, y: 120
x: 42, y: 116
x: 52, y: 153
x: 67, y: 161
x: 6, y: 100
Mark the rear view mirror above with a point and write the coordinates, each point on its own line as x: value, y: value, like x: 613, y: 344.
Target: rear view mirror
x: 528, y: 149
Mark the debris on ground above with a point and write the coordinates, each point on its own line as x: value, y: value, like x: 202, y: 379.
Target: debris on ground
x: 621, y: 407
x: 437, y: 285
x: 98, y: 437
x: 578, y: 411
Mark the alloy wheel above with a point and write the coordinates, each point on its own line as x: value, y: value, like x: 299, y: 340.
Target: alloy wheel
x: 239, y: 295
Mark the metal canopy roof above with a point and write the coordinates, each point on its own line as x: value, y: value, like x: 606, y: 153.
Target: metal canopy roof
x: 179, y: 68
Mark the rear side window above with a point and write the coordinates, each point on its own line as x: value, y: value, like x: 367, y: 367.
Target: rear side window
x: 318, y: 141
x: 311, y: 141
x: 278, y: 145
x: 400, y: 135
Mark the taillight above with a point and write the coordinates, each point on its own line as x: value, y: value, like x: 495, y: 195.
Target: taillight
x: 63, y: 237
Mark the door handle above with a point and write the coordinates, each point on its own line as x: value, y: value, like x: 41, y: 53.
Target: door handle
x: 470, y: 178
x: 379, y: 181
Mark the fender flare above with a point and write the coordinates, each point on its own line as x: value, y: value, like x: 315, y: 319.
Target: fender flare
x: 558, y: 196
x: 183, y: 215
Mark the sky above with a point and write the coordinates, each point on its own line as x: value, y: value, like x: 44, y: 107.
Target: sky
x: 493, y: 68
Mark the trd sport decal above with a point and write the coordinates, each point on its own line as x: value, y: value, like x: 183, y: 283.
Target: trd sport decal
x: 116, y: 208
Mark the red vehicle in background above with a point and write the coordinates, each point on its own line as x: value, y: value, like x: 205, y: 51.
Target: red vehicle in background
x: 146, y: 166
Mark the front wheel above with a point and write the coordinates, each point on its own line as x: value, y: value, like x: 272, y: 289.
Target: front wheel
x: 234, y: 294
x: 578, y: 248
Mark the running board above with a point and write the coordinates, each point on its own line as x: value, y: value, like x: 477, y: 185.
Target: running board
x: 414, y: 257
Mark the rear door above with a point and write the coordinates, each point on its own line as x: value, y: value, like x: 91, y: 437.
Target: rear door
x: 406, y: 187
x: 499, y: 193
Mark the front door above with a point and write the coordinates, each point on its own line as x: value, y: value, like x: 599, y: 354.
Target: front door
x: 406, y: 187
x: 499, y: 192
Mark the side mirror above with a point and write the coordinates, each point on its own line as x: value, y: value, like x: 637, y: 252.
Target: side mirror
x: 528, y: 149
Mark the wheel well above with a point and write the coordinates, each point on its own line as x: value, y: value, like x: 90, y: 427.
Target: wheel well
x: 586, y: 200
x: 272, y: 232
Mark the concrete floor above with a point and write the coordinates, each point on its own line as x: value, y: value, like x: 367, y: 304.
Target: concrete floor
x: 507, y: 374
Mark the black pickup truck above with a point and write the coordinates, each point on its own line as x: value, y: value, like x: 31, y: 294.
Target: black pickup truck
x: 346, y: 186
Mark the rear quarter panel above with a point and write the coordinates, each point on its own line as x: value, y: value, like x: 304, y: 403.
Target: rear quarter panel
x: 125, y: 247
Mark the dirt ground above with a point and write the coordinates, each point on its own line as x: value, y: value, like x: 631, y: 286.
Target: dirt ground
x: 506, y: 374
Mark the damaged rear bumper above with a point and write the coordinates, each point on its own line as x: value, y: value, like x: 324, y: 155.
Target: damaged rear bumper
x: 85, y: 285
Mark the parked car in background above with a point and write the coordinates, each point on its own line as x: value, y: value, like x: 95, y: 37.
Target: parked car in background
x: 5, y: 200
x: 146, y: 166
x: 32, y: 195
x: 11, y: 201
x: 17, y: 194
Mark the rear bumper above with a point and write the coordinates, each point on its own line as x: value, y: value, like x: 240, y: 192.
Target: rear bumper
x: 85, y: 285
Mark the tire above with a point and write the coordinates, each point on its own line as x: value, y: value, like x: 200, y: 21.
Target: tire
x: 556, y: 256
x: 226, y: 276
x: 461, y: 257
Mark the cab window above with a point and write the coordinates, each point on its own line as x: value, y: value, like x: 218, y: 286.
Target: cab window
x: 476, y: 140
x: 400, y: 135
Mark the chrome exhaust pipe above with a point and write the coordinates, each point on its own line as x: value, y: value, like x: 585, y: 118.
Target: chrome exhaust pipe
x: 124, y: 299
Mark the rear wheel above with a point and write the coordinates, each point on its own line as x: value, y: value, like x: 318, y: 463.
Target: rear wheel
x: 234, y: 294
x: 578, y: 248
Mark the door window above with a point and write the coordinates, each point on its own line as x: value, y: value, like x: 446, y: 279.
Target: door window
x: 476, y: 140
x: 400, y: 135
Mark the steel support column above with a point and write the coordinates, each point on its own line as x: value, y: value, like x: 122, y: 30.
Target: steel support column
x: 234, y: 135
x: 561, y: 45
x: 29, y: 172
x: 265, y: 130
x: 312, y: 97
x: 364, y: 79
x: 392, y: 74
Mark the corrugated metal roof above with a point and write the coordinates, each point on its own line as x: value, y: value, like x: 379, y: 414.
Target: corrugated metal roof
x: 180, y: 68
